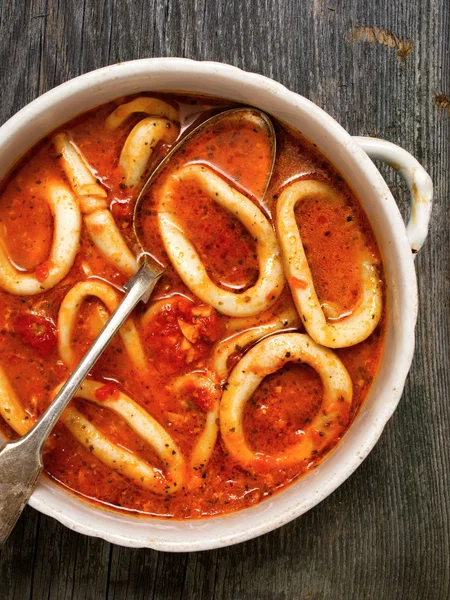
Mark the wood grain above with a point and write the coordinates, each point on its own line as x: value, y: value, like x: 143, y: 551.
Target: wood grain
x: 385, y: 534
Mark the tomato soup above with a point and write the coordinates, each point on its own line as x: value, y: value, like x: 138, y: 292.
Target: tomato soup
x: 260, y: 341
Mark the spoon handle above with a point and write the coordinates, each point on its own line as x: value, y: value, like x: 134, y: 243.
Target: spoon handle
x: 21, y: 460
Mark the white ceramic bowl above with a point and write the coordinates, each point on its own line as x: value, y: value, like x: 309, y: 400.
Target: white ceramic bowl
x: 174, y: 74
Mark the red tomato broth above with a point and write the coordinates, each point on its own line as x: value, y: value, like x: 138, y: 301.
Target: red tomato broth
x: 228, y: 148
x: 223, y: 486
x: 282, y: 407
x: 224, y: 245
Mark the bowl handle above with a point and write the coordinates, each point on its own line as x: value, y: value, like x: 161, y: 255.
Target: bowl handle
x: 417, y: 180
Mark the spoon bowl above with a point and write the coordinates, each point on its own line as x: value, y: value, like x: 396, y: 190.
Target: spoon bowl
x: 226, y: 124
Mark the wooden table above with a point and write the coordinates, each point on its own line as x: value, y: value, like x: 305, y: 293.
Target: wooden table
x: 385, y: 533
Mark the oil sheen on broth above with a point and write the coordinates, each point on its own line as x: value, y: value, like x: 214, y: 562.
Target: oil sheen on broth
x: 193, y: 410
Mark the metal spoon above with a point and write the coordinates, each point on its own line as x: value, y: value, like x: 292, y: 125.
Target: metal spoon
x: 21, y: 460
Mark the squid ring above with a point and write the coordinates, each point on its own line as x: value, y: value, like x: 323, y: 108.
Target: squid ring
x: 67, y: 317
x: 99, y: 221
x: 225, y: 348
x: 204, y: 446
x: 116, y: 457
x: 143, y: 138
x: 139, y: 146
x: 11, y: 409
x: 188, y: 264
x: 150, y: 106
x: 265, y: 358
x: 66, y: 239
x: 365, y: 316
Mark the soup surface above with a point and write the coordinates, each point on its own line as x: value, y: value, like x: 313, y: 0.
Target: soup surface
x: 237, y: 377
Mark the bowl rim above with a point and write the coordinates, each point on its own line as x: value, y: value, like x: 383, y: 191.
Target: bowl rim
x: 47, y: 495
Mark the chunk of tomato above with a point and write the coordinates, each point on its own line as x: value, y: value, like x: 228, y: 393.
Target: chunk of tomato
x: 43, y: 271
x: 122, y: 210
x: 109, y: 391
x: 300, y: 284
x: 36, y: 331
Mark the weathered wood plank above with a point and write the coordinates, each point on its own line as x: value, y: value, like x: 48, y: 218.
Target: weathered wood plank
x: 18, y: 556
x: 385, y: 533
x: 133, y: 573
x: 82, y: 564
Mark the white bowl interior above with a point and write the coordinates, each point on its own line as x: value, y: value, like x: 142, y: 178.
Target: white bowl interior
x: 77, y: 96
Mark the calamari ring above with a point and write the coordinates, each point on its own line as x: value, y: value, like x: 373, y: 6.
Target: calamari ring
x: 188, y: 264
x: 364, y: 317
x: 99, y: 221
x: 143, y: 104
x: 204, y: 446
x: 67, y: 317
x: 106, y: 236
x: 116, y: 457
x: 139, y: 146
x: 66, y: 239
x: 265, y: 358
x: 282, y: 310
x: 225, y: 348
x: 88, y: 435
x: 11, y: 409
